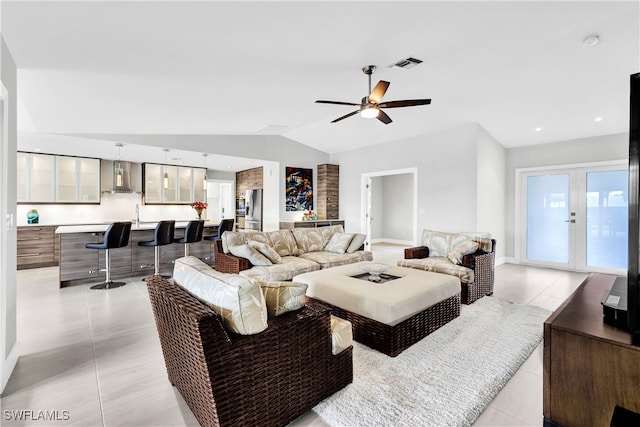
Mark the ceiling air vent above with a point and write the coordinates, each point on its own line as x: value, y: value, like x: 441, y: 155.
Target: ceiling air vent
x: 406, y: 63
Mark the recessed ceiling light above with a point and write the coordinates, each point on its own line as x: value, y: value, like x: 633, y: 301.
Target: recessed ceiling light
x: 538, y: 129
x: 598, y: 119
x: 591, y: 41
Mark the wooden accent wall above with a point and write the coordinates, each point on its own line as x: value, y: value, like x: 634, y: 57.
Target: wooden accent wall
x: 249, y: 179
x: 328, y: 191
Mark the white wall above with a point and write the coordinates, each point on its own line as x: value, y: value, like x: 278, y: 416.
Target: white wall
x: 585, y: 150
x: 446, y: 183
x: 8, y: 331
x: 398, y: 208
x: 491, y: 192
x: 377, y: 211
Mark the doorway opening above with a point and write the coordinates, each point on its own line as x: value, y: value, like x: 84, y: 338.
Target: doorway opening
x: 220, y: 200
x: 389, y: 200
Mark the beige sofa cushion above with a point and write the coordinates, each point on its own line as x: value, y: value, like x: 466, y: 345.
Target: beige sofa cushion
x: 266, y: 250
x: 356, y: 242
x: 252, y: 254
x: 282, y: 297
x: 440, y: 265
x: 232, y: 238
x: 328, y: 232
x: 308, y: 239
x: 238, y: 300
x: 330, y: 259
x: 339, y: 243
x: 283, y: 242
x: 439, y: 243
x: 286, y: 269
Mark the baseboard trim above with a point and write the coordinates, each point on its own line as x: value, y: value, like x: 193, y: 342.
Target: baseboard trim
x: 8, y: 366
x: 393, y: 241
x: 511, y: 260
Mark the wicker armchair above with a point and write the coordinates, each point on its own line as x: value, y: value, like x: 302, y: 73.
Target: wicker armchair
x: 227, y: 263
x: 267, y: 379
x: 482, y: 264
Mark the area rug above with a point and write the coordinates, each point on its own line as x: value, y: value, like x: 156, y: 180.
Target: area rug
x: 446, y: 379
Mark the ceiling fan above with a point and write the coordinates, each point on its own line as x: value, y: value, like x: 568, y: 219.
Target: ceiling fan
x: 370, y: 106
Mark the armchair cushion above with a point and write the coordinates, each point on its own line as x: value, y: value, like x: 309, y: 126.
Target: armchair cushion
x: 341, y: 335
x: 237, y: 300
x: 282, y: 297
x: 463, y: 248
x: 440, y: 265
x: 439, y: 243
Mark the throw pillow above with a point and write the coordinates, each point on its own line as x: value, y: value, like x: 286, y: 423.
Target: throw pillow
x: 266, y: 250
x: 282, y: 297
x: 356, y: 242
x: 246, y: 251
x: 339, y: 243
x: 461, y: 249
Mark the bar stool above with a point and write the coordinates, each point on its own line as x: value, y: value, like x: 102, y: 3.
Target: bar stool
x: 163, y: 235
x: 225, y: 225
x: 192, y: 234
x: 116, y: 236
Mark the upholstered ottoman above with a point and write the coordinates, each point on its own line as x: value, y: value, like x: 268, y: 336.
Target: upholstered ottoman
x: 392, y: 315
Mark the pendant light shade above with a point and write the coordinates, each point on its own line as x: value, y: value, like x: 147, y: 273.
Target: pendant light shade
x: 165, y: 177
x: 204, y: 180
x: 119, y: 173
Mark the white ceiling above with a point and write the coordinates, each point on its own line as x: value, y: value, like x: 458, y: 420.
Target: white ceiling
x: 234, y: 68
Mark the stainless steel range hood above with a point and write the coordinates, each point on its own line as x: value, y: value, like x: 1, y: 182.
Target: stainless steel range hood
x: 120, y: 177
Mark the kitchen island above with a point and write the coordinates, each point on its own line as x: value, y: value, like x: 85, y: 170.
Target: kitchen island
x: 77, y: 262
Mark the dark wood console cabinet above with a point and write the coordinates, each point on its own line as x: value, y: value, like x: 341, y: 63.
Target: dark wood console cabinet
x: 589, y: 366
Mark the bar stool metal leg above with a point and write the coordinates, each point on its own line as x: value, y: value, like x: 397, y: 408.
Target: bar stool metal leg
x: 108, y: 283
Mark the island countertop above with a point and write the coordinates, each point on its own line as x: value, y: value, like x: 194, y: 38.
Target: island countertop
x: 99, y: 228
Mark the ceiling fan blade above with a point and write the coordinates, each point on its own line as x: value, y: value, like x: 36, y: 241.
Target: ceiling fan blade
x: 345, y: 116
x: 404, y: 103
x: 378, y: 92
x: 384, y: 118
x: 335, y: 102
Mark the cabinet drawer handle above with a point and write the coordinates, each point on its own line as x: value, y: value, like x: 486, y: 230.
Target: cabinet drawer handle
x: 27, y: 255
x: 31, y: 238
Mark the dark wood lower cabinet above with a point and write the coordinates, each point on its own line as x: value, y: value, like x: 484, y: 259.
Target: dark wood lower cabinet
x: 76, y: 261
x: 36, y: 247
x: 589, y: 367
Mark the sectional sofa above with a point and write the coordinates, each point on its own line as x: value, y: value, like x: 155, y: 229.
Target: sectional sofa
x: 283, y: 254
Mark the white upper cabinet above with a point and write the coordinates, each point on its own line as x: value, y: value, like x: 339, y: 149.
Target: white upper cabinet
x: 44, y: 178
x: 165, y: 184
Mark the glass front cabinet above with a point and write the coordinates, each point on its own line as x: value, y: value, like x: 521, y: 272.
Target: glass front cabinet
x: 166, y: 184
x: 46, y: 178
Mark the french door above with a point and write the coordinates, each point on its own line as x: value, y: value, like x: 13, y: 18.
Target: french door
x: 576, y: 218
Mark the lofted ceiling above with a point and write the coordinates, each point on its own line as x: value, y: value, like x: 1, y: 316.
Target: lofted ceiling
x: 256, y: 68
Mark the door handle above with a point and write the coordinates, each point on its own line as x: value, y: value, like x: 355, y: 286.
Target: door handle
x: 572, y: 221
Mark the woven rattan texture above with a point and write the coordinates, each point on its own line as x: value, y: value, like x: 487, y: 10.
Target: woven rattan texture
x: 393, y: 340
x: 267, y: 379
x: 483, y: 267
x: 227, y: 263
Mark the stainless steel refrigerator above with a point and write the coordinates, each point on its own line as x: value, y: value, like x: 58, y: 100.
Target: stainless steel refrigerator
x: 253, y: 210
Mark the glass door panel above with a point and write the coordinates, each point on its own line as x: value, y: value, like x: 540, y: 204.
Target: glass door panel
x: 170, y: 190
x: 89, y: 180
x: 607, y: 214
x: 42, y: 178
x: 548, y: 212
x: 22, y: 177
x: 184, y: 186
x: 66, y: 179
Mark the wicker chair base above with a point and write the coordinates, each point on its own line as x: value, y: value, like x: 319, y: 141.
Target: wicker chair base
x: 393, y: 340
x: 267, y: 379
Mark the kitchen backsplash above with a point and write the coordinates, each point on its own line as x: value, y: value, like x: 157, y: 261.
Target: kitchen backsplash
x: 113, y: 207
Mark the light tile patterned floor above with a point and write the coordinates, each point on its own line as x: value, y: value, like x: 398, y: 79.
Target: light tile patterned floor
x: 96, y: 354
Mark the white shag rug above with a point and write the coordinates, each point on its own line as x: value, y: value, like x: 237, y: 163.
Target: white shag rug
x: 446, y: 379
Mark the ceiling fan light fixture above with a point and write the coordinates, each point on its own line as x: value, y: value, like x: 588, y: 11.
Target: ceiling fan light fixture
x: 369, y: 112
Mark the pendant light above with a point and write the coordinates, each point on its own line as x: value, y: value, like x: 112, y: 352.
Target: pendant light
x: 204, y: 180
x: 118, y: 169
x: 165, y: 177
